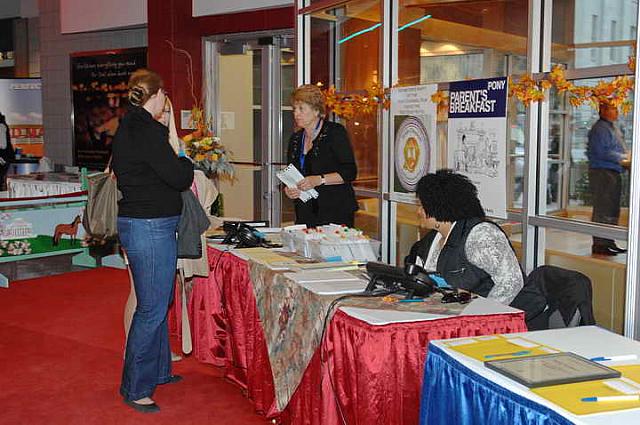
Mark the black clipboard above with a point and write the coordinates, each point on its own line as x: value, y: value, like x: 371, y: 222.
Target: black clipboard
x: 551, y: 369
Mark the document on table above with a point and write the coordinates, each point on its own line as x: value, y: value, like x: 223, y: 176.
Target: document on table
x: 290, y: 176
x: 322, y: 276
x: 328, y: 282
x: 265, y: 256
x: 551, y: 369
x: 333, y: 265
x: 569, y: 396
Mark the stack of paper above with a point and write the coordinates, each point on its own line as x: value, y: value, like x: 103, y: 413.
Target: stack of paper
x: 290, y: 176
x: 333, y: 265
x: 322, y: 276
x: 265, y: 256
x: 329, y: 282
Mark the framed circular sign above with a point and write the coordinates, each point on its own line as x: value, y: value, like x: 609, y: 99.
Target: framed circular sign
x: 413, y: 153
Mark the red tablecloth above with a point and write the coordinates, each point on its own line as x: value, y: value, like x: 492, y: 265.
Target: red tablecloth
x: 375, y: 372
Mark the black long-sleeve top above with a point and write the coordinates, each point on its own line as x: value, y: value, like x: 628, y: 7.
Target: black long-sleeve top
x: 7, y: 153
x: 331, y: 153
x: 150, y: 175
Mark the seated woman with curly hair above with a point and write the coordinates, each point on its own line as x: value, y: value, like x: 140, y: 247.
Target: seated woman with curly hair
x: 470, y: 252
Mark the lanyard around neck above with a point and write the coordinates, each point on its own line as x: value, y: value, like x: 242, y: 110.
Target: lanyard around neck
x: 304, y: 135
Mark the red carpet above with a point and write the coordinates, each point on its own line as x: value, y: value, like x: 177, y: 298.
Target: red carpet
x: 61, y: 344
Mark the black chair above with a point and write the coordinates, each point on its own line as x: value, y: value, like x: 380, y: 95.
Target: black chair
x: 553, y: 297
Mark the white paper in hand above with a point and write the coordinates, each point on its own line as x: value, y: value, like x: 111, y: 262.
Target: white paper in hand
x: 290, y: 176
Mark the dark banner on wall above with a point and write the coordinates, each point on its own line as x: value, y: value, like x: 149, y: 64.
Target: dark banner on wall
x: 99, y: 91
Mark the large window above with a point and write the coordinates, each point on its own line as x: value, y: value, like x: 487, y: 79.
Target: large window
x: 345, y: 52
x: 593, y: 40
x: 589, y: 33
x: 568, y: 192
x: 457, y: 40
x: 572, y: 251
x: 367, y: 217
x: 440, y: 42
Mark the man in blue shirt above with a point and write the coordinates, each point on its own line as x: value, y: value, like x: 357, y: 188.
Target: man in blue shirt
x: 606, y: 151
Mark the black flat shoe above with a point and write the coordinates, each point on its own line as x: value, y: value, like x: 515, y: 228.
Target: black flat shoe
x: 173, y: 379
x: 143, y: 408
x: 604, y: 250
x: 618, y: 249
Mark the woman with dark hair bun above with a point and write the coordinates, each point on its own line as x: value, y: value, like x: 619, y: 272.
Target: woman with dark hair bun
x: 470, y: 252
x: 150, y: 176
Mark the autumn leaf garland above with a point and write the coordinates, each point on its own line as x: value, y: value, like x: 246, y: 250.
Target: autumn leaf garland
x: 529, y: 90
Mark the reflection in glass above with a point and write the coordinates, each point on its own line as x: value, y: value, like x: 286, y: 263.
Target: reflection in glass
x: 287, y: 83
x: 345, y: 52
x: 573, y: 251
x: 568, y: 192
x: 457, y: 40
x: 588, y: 33
x: 410, y: 229
x: 367, y: 217
x: 516, y: 116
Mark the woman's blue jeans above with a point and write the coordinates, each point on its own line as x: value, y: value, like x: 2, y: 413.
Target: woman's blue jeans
x: 152, y: 251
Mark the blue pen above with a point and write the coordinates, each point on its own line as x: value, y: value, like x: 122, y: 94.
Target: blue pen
x: 515, y: 354
x: 411, y: 300
x: 614, y: 358
x: 630, y: 397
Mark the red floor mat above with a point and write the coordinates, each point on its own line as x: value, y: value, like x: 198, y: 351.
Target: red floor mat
x: 61, y: 345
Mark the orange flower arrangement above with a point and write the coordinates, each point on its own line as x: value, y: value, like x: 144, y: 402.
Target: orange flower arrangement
x: 201, y: 145
x: 206, y: 150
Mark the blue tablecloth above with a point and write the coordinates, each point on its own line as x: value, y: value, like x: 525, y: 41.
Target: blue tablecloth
x: 452, y: 394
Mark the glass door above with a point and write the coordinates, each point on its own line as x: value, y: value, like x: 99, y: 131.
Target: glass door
x: 250, y: 79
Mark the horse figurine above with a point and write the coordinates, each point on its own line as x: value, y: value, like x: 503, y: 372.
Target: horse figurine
x: 66, y: 229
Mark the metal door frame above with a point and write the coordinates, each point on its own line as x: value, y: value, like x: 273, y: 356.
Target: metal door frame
x: 271, y: 117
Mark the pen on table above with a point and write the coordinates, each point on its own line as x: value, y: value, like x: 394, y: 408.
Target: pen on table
x: 411, y: 300
x: 614, y: 358
x: 635, y: 397
x: 515, y: 353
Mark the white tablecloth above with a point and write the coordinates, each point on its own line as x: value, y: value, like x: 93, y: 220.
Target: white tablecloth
x: 479, y: 306
x: 19, y: 188
x: 587, y: 341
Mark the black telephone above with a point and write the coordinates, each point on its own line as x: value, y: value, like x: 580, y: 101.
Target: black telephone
x: 413, y: 279
x: 243, y: 235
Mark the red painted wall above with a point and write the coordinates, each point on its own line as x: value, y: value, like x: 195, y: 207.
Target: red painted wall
x: 171, y: 20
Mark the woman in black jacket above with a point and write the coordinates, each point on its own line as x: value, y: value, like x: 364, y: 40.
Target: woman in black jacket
x: 150, y: 176
x: 321, y: 150
x: 469, y: 251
